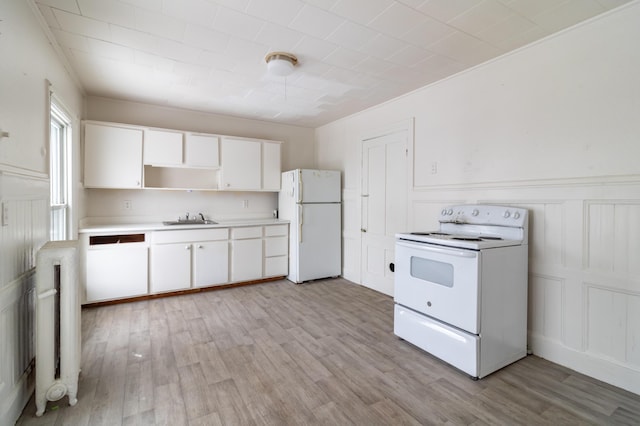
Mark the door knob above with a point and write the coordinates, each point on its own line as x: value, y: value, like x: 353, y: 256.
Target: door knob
x: 363, y: 230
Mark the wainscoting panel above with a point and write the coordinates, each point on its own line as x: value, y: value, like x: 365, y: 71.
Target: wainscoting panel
x: 546, y: 233
x: 613, y: 328
x: 17, y: 310
x: 613, y: 231
x: 546, y: 297
x: 25, y: 228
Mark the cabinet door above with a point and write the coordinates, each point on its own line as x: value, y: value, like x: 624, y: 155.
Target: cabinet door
x: 210, y: 263
x: 162, y: 147
x: 112, y: 156
x: 271, y: 170
x: 115, y: 273
x: 241, y: 165
x: 170, y: 267
x: 202, y: 151
x: 246, y: 260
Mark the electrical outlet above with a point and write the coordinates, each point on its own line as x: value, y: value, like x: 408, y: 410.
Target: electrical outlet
x: 245, y: 204
x: 434, y: 167
x: 127, y: 205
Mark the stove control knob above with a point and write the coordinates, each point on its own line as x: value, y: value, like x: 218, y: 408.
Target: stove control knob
x: 450, y: 212
x: 475, y: 212
x: 506, y: 214
x: 443, y: 212
x: 516, y: 215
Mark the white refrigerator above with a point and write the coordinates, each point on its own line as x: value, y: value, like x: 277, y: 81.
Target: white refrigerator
x: 311, y: 201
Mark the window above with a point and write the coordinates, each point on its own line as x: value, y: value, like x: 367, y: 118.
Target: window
x: 60, y: 171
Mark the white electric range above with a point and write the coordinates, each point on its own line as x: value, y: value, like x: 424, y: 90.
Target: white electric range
x: 461, y: 291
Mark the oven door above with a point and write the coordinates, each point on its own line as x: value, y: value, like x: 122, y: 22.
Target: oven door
x: 439, y: 281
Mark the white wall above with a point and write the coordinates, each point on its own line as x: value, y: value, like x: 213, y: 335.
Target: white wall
x: 28, y: 61
x: 552, y: 127
x: 297, y: 151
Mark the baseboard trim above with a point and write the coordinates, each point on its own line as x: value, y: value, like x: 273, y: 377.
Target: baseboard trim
x: 607, y: 370
x: 179, y: 292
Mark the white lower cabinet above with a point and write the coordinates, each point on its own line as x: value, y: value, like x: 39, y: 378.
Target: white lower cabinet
x: 259, y: 252
x: 119, y: 266
x: 170, y: 267
x: 115, y: 266
x: 276, y: 250
x: 188, y: 258
x: 246, y: 254
x: 210, y: 263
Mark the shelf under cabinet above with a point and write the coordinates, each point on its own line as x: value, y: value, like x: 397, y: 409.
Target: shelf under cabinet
x: 180, y: 178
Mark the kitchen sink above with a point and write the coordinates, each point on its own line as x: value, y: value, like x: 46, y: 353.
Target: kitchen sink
x: 190, y: 222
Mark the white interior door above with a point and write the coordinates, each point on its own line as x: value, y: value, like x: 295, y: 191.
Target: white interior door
x: 384, y: 206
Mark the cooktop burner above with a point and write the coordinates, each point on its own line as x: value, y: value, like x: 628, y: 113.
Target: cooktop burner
x: 458, y: 237
x: 475, y: 227
x: 470, y: 241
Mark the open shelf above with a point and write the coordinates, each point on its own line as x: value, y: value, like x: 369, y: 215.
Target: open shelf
x: 180, y: 178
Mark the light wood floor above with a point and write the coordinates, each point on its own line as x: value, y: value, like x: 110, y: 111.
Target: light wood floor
x: 317, y: 353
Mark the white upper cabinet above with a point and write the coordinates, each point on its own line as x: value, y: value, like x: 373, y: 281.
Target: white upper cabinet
x: 271, y: 169
x: 241, y: 164
x: 112, y: 156
x: 177, y: 149
x: 162, y: 147
x: 250, y: 165
x: 123, y: 156
x: 202, y: 151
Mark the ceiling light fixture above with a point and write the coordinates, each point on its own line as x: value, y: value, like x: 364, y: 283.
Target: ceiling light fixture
x: 280, y: 63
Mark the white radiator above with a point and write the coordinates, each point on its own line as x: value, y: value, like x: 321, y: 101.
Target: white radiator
x: 57, y: 323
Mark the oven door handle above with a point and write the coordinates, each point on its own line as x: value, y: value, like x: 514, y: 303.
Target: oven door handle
x: 431, y: 248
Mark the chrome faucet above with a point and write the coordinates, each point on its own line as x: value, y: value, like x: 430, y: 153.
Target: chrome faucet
x: 202, y: 217
x: 186, y: 218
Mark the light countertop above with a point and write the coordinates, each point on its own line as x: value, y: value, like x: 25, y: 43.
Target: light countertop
x: 158, y: 226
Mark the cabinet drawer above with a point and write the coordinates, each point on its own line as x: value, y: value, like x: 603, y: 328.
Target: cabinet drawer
x: 276, y: 246
x: 246, y: 232
x: 276, y: 266
x: 275, y: 230
x: 190, y: 235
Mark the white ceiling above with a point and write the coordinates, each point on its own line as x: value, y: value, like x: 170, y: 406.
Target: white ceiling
x: 208, y: 55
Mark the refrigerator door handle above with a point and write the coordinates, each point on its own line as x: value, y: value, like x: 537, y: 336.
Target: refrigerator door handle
x: 300, y: 216
x: 299, y: 186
